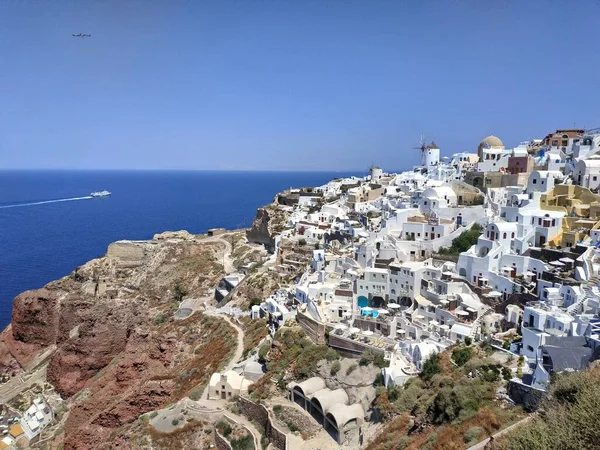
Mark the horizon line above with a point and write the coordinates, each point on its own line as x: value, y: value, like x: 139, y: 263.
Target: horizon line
x: 177, y: 170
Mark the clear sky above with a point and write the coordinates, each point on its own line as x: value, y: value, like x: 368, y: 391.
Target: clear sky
x: 277, y: 84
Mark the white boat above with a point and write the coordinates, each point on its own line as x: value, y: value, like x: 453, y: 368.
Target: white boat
x: 100, y: 194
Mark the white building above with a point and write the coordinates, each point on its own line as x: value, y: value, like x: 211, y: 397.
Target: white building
x: 587, y: 173
x: 225, y: 386
x: 36, y: 418
x: 540, y: 321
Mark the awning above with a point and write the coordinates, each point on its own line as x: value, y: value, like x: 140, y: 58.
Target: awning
x: 400, y: 331
x: 493, y: 294
x: 367, y: 309
x: 434, y: 322
x: 567, y: 260
x: 444, y: 327
x: 367, y: 333
x: 460, y: 312
x: 556, y: 263
x: 422, y: 300
x: 383, y: 311
x: 508, y: 268
x: 418, y: 316
x: 341, y: 326
x: 393, y: 306
x: 354, y: 330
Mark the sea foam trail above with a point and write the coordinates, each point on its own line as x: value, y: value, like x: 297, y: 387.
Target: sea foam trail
x: 72, y: 199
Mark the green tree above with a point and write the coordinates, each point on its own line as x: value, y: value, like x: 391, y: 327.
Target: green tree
x: 431, y: 367
x: 179, y: 291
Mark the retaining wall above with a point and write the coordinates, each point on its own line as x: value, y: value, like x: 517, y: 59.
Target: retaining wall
x: 262, y: 416
x: 525, y: 395
x: 220, y: 442
x: 314, y: 329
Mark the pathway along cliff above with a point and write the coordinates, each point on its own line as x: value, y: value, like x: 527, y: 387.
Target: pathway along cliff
x: 107, y: 334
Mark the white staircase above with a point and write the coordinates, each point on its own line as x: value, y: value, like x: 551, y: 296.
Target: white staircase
x: 477, y: 322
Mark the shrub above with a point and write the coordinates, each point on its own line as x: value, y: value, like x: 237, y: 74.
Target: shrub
x: 179, y: 291
x: 160, y: 318
x: 468, y: 341
x: 277, y: 410
x: 196, y: 393
x: 472, y: 435
x: 351, y: 369
x: 367, y: 358
x: 335, y: 367
x: 431, y: 367
x: 242, y: 443
x: 153, y: 414
x: 254, y: 301
x: 263, y: 351
x: 460, y: 357
x: 224, y: 428
x: 463, y: 242
x: 302, y: 242
x: 175, y: 422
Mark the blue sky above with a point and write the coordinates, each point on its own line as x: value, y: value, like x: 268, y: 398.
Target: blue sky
x: 286, y: 84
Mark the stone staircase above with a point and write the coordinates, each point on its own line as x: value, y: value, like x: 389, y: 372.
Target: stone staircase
x: 477, y: 322
x: 590, y: 289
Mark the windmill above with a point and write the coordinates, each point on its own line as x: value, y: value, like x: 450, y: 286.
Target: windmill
x: 422, y: 147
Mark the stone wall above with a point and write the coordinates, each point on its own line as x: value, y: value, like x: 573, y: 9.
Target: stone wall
x: 220, y: 442
x: 262, y: 416
x: 314, y: 329
x: 350, y: 348
x: 126, y: 253
x: 527, y: 396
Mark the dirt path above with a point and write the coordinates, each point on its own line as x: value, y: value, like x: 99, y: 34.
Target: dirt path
x: 482, y: 444
x: 227, y: 260
x: 237, y: 356
x: 18, y: 384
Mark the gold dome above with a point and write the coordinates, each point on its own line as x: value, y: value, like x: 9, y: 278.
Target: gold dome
x: 489, y: 142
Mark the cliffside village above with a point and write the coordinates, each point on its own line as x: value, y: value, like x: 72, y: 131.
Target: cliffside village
x: 387, y: 274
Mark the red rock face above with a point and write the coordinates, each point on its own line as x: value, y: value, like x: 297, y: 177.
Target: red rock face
x: 101, y: 335
x: 35, y: 317
x: 107, y: 355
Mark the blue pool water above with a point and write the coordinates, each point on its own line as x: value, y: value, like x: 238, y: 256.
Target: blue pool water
x: 47, y: 229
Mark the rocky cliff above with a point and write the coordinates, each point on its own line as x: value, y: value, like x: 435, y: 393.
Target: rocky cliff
x: 269, y: 221
x: 109, y: 339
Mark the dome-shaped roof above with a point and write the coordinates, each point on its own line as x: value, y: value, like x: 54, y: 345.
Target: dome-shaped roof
x: 489, y: 142
x: 492, y: 141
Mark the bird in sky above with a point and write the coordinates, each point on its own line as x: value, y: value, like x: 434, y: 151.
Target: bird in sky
x: 82, y: 35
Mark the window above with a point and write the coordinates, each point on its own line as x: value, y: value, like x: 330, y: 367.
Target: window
x: 512, y: 235
x: 530, y: 348
x: 595, y: 178
x: 534, y: 181
x: 504, y: 236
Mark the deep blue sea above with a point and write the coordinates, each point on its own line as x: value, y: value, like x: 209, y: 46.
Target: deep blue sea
x: 45, y: 232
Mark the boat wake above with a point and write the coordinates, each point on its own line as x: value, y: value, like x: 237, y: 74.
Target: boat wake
x: 44, y: 202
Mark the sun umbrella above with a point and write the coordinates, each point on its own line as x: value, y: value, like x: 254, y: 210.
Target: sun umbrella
x: 383, y: 311
x: 368, y: 333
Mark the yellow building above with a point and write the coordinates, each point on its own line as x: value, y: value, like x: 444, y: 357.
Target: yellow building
x: 582, y: 208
